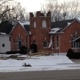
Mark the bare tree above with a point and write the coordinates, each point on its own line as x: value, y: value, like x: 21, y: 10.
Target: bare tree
x: 55, y: 10
x: 74, y: 11
x: 11, y: 11
x: 62, y: 11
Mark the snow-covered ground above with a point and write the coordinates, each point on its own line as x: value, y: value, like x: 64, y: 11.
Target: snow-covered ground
x: 38, y: 63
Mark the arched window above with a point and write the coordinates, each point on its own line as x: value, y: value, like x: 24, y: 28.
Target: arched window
x: 44, y: 24
x: 19, y: 43
x: 75, y: 44
x: 34, y: 24
x: 45, y: 44
x: 26, y: 42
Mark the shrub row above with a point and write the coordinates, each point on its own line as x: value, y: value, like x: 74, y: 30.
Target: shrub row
x: 12, y: 52
x: 23, y: 50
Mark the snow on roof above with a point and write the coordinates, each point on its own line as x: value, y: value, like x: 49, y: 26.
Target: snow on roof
x: 54, y: 30
x: 68, y: 23
x: 29, y: 32
x: 2, y: 33
x: 24, y: 23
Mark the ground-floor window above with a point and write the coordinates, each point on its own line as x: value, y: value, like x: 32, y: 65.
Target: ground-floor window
x: 19, y: 43
x: 45, y: 44
x: 57, y: 44
x: 3, y: 45
x: 26, y: 42
x: 75, y: 44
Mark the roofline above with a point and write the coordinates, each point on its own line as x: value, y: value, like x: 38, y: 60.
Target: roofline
x: 70, y: 24
x: 56, y: 33
x: 15, y: 26
x: 23, y: 26
x: 5, y: 34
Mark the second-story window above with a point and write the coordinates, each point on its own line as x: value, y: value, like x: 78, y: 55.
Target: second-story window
x: 44, y: 24
x: 34, y: 24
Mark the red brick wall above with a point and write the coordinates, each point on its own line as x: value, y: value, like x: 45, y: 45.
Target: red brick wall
x: 64, y: 39
x: 17, y: 32
x: 39, y: 34
x: 69, y: 32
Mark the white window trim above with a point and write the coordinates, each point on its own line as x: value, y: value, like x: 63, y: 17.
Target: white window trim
x: 34, y: 24
x: 44, y: 24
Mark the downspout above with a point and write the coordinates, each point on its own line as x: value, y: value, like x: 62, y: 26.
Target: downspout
x: 59, y: 44
x: 52, y: 44
x: 28, y: 41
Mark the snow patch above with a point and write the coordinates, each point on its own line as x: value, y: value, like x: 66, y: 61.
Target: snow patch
x: 54, y: 30
x: 38, y: 63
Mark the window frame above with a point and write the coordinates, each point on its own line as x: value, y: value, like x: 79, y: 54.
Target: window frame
x: 45, y: 44
x: 44, y: 24
x: 75, y: 44
x: 34, y: 24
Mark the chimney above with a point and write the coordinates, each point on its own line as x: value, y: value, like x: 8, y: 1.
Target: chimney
x: 49, y: 14
x: 38, y: 13
x: 31, y: 15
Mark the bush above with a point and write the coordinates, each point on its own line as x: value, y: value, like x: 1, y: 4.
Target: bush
x: 23, y: 50
x: 70, y: 53
x: 12, y: 52
x: 73, y: 55
x: 34, y: 48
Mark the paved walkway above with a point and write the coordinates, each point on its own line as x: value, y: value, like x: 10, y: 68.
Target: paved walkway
x: 76, y: 60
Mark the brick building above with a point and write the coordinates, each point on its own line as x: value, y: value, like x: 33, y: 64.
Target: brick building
x: 20, y: 35
x: 40, y: 26
x: 58, y: 36
x: 64, y: 34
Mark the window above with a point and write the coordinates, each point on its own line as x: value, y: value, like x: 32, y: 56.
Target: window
x: 34, y: 24
x: 26, y: 42
x: 57, y: 44
x: 45, y: 44
x: 52, y: 41
x: 19, y: 43
x: 75, y: 44
x: 44, y: 24
x: 3, y: 45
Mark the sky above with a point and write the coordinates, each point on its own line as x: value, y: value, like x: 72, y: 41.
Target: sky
x: 38, y: 63
x: 34, y: 5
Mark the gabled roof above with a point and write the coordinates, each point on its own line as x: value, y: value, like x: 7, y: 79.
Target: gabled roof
x: 25, y: 25
x: 5, y: 27
x: 58, y: 26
